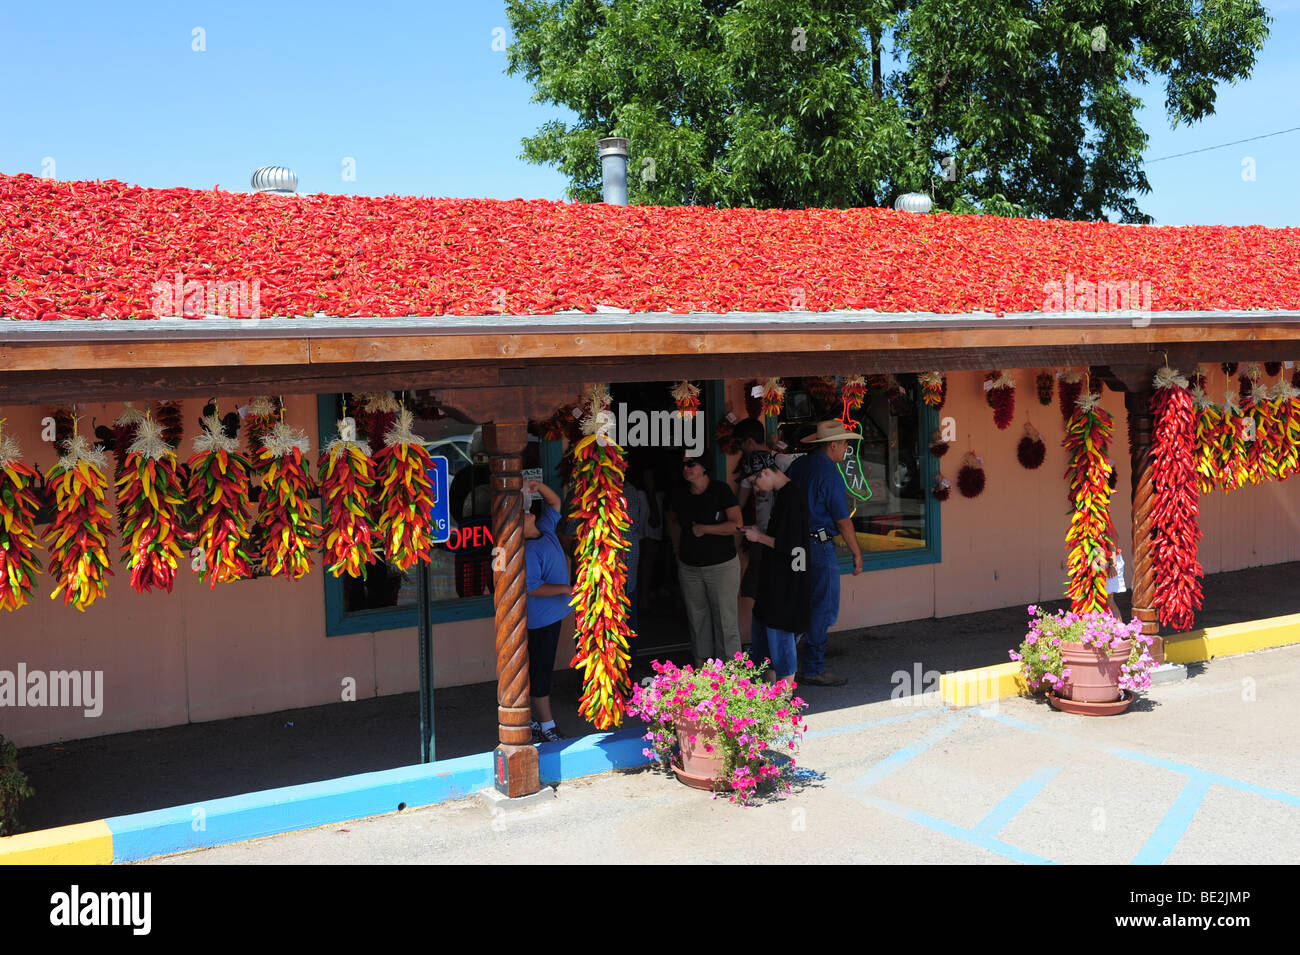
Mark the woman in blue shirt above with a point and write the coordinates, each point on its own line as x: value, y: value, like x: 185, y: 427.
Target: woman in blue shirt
x: 549, y: 592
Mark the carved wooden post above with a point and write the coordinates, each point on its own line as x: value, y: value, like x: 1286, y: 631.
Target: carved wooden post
x: 515, y: 759
x: 1138, y: 405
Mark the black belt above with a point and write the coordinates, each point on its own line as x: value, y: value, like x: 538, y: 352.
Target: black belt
x: 821, y: 535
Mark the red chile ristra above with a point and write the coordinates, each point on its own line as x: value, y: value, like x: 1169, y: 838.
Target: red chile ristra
x: 1174, y: 528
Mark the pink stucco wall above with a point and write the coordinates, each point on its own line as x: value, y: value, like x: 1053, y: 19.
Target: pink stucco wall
x: 259, y: 646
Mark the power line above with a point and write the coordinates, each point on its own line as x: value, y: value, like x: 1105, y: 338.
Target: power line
x: 1237, y: 142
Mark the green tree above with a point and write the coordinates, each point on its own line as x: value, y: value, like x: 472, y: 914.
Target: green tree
x: 1001, y: 106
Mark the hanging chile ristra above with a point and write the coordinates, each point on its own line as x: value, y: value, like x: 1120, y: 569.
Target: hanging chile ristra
x: 376, y: 415
x: 1230, y: 445
x: 1270, y: 430
x: 402, y: 470
x: 125, y: 429
x: 687, y: 397
x: 151, y: 508
x: 822, y: 389
x: 168, y: 414
x: 65, y: 425
x: 286, y: 524
x: 1031, y: 451
x: 1255, y: 424
x: 1001, y: 396
x: 1089, y: 541
x: 773, y: 397
x: 1288, y: 426
x: 934, y: 389
x: 262, y: 415
x: 1046, y: 383
x: 852, y: 394
x: 19, y: 565
x: 970, y: 476
x: 1208, y: 421
x: 599, y: 596
x: 218, y: 491
x: 1174, y: 511
x: 347, y: 477
x: 1067, y: 393
x: 78, y: 538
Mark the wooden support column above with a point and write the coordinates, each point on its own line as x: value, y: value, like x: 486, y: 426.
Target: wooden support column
x: 1135, y: 381
x: 515, y: 759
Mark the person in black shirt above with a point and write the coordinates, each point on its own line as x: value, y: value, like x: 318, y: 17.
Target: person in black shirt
x: 702, y: 526
x: 784, y: 602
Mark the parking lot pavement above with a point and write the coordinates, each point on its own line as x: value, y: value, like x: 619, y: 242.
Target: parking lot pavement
x: 1203, y: 771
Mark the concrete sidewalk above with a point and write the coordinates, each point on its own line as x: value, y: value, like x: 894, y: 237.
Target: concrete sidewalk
x: 107, y: 776
x: 1202, y: 771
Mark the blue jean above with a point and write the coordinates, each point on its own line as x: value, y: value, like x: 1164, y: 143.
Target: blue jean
x: 785, y: 659
x: 825, y: 569
x: 776, y: 646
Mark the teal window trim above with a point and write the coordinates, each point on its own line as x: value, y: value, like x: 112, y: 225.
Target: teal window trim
x: 932, y: 552
x: 338, y: 622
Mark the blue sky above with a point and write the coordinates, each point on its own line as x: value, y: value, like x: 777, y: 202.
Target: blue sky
x: 415, y: 94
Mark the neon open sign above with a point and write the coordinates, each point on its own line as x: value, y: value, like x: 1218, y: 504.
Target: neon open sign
x: 469, y: 537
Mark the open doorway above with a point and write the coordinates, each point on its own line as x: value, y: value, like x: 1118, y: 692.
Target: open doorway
x: 654, y: 471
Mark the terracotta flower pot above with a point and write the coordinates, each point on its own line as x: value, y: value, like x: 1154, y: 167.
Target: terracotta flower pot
x: 696, y: 766
x: 1094, y: 676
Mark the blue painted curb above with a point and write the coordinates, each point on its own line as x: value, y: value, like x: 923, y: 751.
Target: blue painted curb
x: 587, y: 755
x: 215, y: 822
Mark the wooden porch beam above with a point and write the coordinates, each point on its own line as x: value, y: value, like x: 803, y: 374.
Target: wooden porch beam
x: 512, y: 347
x: 72, y: 383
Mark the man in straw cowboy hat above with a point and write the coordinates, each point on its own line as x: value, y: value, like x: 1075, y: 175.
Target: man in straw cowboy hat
x: 828, y: 515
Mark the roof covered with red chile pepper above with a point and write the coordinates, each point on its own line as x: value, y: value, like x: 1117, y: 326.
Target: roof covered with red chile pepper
x: 95, y: 249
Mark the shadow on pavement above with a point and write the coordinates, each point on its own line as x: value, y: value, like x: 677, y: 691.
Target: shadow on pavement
x: 87, y: 779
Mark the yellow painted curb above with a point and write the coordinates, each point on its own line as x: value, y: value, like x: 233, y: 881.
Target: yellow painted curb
x: 970, y: 687
x: 1210, y: 642
x: 86, y: 843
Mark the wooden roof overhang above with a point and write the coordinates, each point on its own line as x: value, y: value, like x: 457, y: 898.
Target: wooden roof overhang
x: 505, y: 357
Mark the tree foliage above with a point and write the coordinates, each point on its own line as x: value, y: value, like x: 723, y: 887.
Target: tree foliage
x: 990, y: 105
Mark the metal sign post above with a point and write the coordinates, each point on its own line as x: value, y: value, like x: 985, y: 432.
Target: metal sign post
x: 439, y: 532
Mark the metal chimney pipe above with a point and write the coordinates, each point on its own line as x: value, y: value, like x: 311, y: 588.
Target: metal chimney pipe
x: 613, y: 169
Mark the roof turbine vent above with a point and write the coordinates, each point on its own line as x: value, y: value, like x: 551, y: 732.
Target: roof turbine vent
x: 913, y: 202
x: 278, y: 180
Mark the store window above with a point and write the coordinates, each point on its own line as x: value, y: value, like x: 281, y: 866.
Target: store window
x: 461, y: 568
x: 888, y: 478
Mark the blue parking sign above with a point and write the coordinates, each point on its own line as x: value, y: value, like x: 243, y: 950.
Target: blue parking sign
x: 439, y: 520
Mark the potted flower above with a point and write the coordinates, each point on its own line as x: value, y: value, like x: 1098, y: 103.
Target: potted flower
x: 1090, y: 663
x: 721, y: 725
